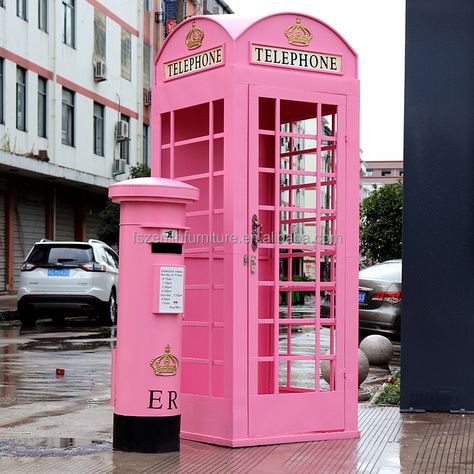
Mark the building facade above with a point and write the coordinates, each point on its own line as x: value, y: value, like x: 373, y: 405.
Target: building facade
x: 73, y: 116
x: 75, y: 78
x: 379, y: 173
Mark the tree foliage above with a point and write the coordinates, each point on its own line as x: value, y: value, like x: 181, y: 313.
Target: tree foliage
x: 110, y: 217
x: 381, y: 224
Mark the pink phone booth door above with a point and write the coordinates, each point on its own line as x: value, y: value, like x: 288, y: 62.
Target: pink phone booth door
x: 297, y: 193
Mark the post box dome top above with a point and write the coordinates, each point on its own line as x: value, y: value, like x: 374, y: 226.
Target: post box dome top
x: 151, y: 189
x: 236, y: 35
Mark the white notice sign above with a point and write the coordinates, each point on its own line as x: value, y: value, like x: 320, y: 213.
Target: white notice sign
x: 171, y: 289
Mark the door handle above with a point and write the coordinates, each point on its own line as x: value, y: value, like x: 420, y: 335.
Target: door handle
x: 257, y: 231
x: 253, y: 264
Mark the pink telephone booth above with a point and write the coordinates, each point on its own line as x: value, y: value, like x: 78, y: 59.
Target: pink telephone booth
x: 263, y: 117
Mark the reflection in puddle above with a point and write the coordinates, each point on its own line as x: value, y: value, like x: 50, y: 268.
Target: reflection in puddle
x: 29, y: 359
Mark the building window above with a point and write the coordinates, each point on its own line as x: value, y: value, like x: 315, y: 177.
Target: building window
x: 21, y: 98
x: 386, y: 172
x: 400, y: 173
x: 21, y: 9
x: 42, y: 106
x: 126, y: 55
x: 146, y: 145
x: 68, y: 118
x: 69, y: 23
x: 1, y: 90
x: 98, y: 129
x: 43, y: 15
x: 125, y: 144
x: 99, y: 35
x: 146, y: 66
x: 369, y: 172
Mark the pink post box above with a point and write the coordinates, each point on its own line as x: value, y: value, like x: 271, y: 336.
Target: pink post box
x: 262, y: 115
x: 147, y: 359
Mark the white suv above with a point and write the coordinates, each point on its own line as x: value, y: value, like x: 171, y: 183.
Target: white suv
x: 66, y: 278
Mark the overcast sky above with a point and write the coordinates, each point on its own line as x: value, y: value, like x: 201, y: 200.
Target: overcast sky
x: 376, y: 30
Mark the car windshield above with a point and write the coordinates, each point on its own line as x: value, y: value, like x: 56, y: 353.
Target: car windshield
x: 384, y: 271
x: 64, y: 254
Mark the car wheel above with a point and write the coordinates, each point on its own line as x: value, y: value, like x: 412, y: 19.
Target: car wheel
x: 27, y: 318
x: 109, y: 312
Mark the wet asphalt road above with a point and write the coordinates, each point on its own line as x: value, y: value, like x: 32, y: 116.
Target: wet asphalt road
x: 50, y: 415
x: 29, y: 359
x: 55, y: 381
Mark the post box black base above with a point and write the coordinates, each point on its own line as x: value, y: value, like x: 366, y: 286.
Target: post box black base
x: 146, y: 434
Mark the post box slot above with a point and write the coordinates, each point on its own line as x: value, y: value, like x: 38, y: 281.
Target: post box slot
x: 165, y: 247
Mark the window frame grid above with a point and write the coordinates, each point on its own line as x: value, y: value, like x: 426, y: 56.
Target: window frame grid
x: 70, y: 108
x: 22, y: 9
x: 21, y: 87
x: 43, y: 107
x: 43, y: 15
x: 98, y: 126
x: 69, y: 6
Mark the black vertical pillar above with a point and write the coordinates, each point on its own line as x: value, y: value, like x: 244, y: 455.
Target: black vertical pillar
x: 438, y: 256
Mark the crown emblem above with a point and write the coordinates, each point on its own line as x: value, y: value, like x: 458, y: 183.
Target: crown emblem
x: 165, y: 364
x: 298, y: 34
x: 194, y: 37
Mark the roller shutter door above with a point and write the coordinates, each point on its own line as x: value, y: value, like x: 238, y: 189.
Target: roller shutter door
x: 92, y: 219
x: 3, y: 240
x: 65, y: 220
x: 30, y: 225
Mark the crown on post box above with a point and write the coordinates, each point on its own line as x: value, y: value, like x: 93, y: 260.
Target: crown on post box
x: 165, y: 364
x: 298, y: 34
x: 194, y: 37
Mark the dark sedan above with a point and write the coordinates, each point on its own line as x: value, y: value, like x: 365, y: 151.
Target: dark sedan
x: 380, y: 298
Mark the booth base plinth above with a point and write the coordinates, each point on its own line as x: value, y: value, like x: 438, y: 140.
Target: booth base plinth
x: 266, y: 440
x: 146, y: 434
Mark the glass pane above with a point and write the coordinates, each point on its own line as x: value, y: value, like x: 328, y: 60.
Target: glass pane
x: 329, y: 119
x: 327, y: 375
x: 265, y: 340
x: 296, y: 374
x: 99, y: 35
x: 266, y: 115
x: 301, y: 263
x: 296, y: 339
x: 328, y: 304
x: 298, y: 117
x: 327, y: 340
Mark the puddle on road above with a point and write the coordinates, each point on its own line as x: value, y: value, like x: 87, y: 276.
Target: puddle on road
x: 29, y: 359
x: 34, y: 447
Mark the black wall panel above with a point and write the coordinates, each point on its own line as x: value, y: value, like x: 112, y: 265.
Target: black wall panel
x: 438, y: 256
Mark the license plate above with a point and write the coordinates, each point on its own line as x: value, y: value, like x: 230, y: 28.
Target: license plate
x: 362, y: 296
x: 58, y: 272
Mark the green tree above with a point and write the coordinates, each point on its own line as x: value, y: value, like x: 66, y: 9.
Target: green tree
x: 110, y: 217
x: 381, y: 224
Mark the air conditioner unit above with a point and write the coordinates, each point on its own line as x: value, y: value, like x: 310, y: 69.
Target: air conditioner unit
x: 121, y: 131
x: 147, y: 97
x: 100, y: 71
x: 119, y: 166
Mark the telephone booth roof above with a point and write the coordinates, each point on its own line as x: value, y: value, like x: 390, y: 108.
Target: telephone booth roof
x: 239, y: 36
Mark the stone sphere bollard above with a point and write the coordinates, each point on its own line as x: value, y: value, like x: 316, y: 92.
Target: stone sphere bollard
x: 363, y: 365
x: 378, y: 349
